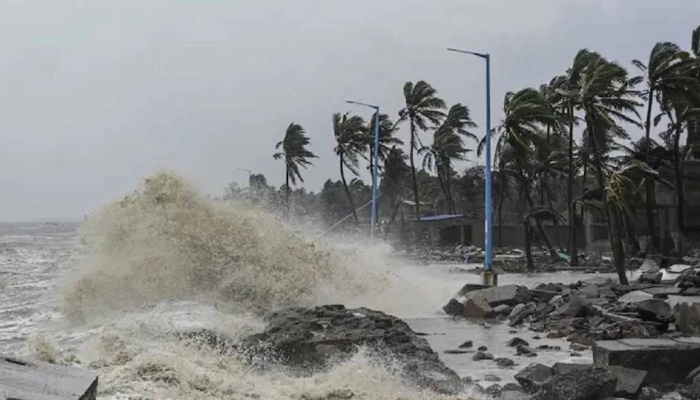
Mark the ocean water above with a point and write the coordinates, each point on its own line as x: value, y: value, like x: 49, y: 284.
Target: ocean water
x: 109, y: 294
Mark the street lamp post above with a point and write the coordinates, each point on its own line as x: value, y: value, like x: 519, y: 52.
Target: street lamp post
x: 375, y: 156
x: 490, y: 277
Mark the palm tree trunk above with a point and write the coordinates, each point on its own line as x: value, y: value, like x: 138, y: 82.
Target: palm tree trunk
x: 288, y: 191
x: 611, y: 216
x: 441, y: 181
x: 556, y: 220
x: 528, y: 244
x: 448, y: 186
x: 650, y: 195
x: 630, y: 233
x: 413, y: 171
x: 573, y: 254
x: 680, y: 189
x: 540, y: 230
x: 347, y: 191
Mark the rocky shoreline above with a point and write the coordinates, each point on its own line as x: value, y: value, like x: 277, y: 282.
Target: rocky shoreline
x: 643, y: 336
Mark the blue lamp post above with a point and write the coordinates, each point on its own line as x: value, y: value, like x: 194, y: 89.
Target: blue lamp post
x: 490, y: 277
x: 375, y: 156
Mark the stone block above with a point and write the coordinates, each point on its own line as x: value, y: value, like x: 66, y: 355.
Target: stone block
x: 665, y: 360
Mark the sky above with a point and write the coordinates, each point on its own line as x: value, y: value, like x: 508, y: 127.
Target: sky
x: 96, y: 95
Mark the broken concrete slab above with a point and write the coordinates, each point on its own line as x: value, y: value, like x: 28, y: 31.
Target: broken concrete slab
x: 678, y: 268
x: 665, y: 360
x: 635, y: 297
x: 509, y: 295
x: 663, y: 291
x: 25, y: 379
x: 629, y: 381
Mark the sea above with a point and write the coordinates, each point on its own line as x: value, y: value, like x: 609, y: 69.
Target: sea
x: 110, y: 293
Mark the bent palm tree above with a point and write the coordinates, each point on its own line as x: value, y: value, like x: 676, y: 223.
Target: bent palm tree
x: 570, y: 91
x: 349, y: 134
x: 295, y: 155
x: 387, y: 140
x: 448, y: 147
x: 665, y: 73
x: 395, y: 172
x: 526, y: 112
x: 422, y: 108
x: 605, y: 98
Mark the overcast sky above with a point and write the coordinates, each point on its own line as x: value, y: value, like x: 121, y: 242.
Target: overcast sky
x: 95, y: 95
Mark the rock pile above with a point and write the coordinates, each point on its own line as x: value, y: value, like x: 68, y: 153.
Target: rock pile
x: 587, y: 311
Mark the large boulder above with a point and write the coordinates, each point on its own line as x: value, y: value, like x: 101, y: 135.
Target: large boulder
x: 655, y: 310
x: 521, y: 312
x: 689, y: 278
x: 477, y: 307
x: 649, y: 265
x: 533, y: 377
x: 576, y: 307
x: 651, y: 277
x: 307, y: 340
x: 629, y: 381
x: 588, y: 384
x: 453, y: 308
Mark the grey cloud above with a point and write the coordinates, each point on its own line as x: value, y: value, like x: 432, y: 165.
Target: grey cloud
x: 95, y: 95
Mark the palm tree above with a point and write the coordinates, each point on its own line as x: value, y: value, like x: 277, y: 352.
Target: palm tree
x: 395, y: 173
x: 681, y: 112
x: 448, y: 147
x: 422, y: 109
x: 605, y: 97
x: 694, y: 127
x: 351, y: 143
x: 387, y: 140
x: 569, y: 89
x: 664, y: 74
x: 295, y: 155
x: 526, y: 111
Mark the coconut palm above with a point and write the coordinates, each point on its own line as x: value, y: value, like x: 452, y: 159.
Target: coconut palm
x: 448, y: 147
x: 295, y: 155
x: 394, y: 176
x: 526, y: 112
x: 605, y: 97
x: 349, y: 132
x: 423, y: 109
x: 693, y: 139
x: 666, y: 73
x: 569, y: 89
x: 682, y: 112
x: 387, y: 140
